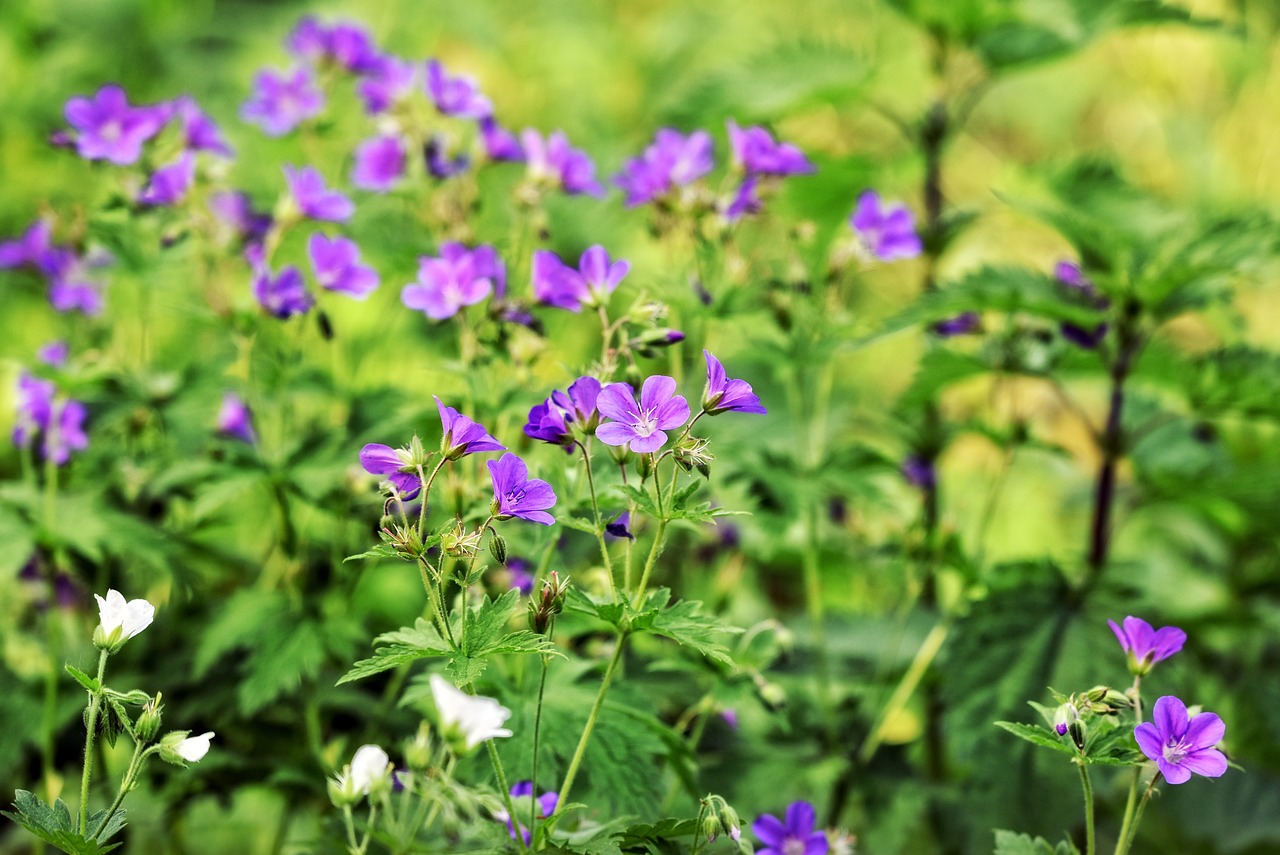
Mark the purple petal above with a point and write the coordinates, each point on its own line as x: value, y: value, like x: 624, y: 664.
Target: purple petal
x: 801, y: 818
x: 1149, y: 740
x: 1167, y: 641
x: 646, y: 444
x: 657, y: 390
x: 1120, y: 636
x: 1208, y: 762
x: 617, y: 401
x: 380, y: 459
x: 1174, y: 773
x: 770, y: 829
x: 1170, y: 717
x: 1205, y: 731
x: 615, y: 433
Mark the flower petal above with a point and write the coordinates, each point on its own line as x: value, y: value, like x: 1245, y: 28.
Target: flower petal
x: 770, y: 829
x: 1149, y: 740
x: 1170, y: 718
x: 379, y: 459
x: 1209, y: 762
x: 1205, y: 731
x: 801, y: 818
x: 657, y: 390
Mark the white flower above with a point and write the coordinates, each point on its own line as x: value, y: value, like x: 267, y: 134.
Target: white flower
x: 131, y: 617
x: 369, y: 765
x: 193, y: 748
x: 477, y: 718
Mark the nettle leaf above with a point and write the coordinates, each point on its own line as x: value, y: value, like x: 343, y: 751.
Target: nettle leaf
x: 1018, y: 43
x: 55, y: 826
x: 401, y: 647
x: 580, y: 602
x: 486, y: 636
x: 685, y: 624
x: 292, y: 654
x: 939, y: 368
x: 1037, y: 735
x: 90, y: 683
x: 1012, y: 843
x: 643, y: 501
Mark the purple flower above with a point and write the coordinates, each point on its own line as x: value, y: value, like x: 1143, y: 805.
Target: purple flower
x: 314, y: 198
x: 66, y: 433
x: 620, y: 527
x: 439, y: 163
x: 1182, y: 744
x: 54, y: 353
x: 1147, y: 646
x: 730, y: 716
x: 671, y: 160
x: 795, y: 836
x: 1070, y: 274
x: 1073, y: 277
x: 71, y: 287
x: 458, y: 277
x: 456, y: 95
x: 199, y: 132
x: 723, y: 395
x: 516, y: 495
x: 109, y: 128
x: 351, y: 47
x: 522, y: 580
x: 60, y: 424
x: 641, y: 425
x: 384, y: 460
x: 546, y: 807
x: 28, y: 249
x: 236, y: 210
x: 235, y: 420
x: 169, y: 184
x: 379, y: 164
x: 553, y: 420
x: 309, y: 39
x: 557, y: 284
x: 919, y: 472
x: 34, y: 408
x: 962, y: 324
x: 887, y: 231
x: 336, y: 263
x: 282, y: 296
x: 745, y: 201
x: 499, y: 143
x: 553, y: 161
x: 391, y: 81
x: 756, y: 152
x: 280, y: 103
x: 462, y: 435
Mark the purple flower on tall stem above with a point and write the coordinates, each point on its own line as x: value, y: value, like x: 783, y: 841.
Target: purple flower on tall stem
x: 282, y: 296
x: 109, y: 128
x: 1182, y: 744
x: 455, y: 95
x: 554, y: 420
x: 642, y: 426
x: 314, y: 198
x: 499, y: 143
x: 199, y: 132
x: 671, y: 160
x: 962, y: 324
x: 557, y: 284
x: 458, y: 277
x: 391, y: 81
x: 756, y: 152
x: 379, y: 165
x: 378, y: 459
x: 887, y: 231
x: 547, y: 803
x: 794, y: 836
x: 282, y: 101
x: 1144, y: 645
x: 551, y: 160
x: 515, y: 494
x: 723, y: 395
x: 235, y: 420
x: 29, y: 248
x: 336, y: 263
x: 169, y: 184
x: 463, y: 435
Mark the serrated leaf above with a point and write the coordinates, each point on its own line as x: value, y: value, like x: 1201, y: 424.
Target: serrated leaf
x: 382, y: 550
x: 400, y: 648
x: 1012, y: 843
x: 293, y: 654
x: 1017, y: 43
x: 685, y: 624
x: 643, y: 501
x: 55, y: 826
x: 577, y: 524
x: 90, y: 683
x: 579, y: 602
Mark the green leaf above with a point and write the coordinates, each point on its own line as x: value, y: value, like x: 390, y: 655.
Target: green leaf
x: 55, y: 826
x: 398, y: 648
x: 382, y: 550
x: 487, y: 636
x: 293, y: 653
x: 90, y: 684
x: 1015, y: 43
x: 938, y: 369
x: 642, y: 500
x: 685, y: 624
x: 1037, y: 735
x: 577, y: 524
x: 580, y: 602
x: 1012, y: 843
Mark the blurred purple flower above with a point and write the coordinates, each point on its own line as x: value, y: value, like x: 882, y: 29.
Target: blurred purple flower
x: 309, y: 39
x: 458, y: 277
x: 236, y: 210
x: 671, y: 160
x: 351, y: 47
x: 169, y: 184
x: 521, y: 579
x: 723, y: 395
x: 962, y: 324
x: 455, y: 95
x: 795, y: 836
x: 336, y: 263
x: 109, y: 128
x: 59, y: 424
x: 281, y: 296
x: 730, y: 716
x: 314, y: 198
x: 1144, y: 645
x: 547, y: 803
x: 54, y: 353
x: 439, y: 163
x: 235, y: 420
x: 641, y: 425
x: 199, y: 132
x: 499, y: 143
x: 756, y: 152
x: 745, y: 201
x: 29, y: 248
x: 463, y: 435
x: 1073, y: 277
x: 34, y: 408
x: 553, y: 161
x: 1180, y: 743
x: 281, y: 102
x: 380, y: 459
x: 71, y: 286
x: 380, y: 163
x: 390, y: 81
x: 557, y: 284
x: 919, y: 473
x: 887, y: 231
x: 516, y: 494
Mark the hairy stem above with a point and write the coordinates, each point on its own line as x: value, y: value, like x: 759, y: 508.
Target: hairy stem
x: 91, y: 731
x: 572, y: 772
x: 1087, y: 786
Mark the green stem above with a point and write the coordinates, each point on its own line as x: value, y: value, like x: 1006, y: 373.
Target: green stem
x: 352, y: 846
x: 368, y: 829
x: 1129, y: 806
x: 599, y: 527
x: 91, y: 727
x: 1087, y: 786
x: 506, y: 791
x: 578, y: 752
x: 1129, y: 830
x: 654, y: 551
x: 126, y: 784
x: 537, y: 728
x: 906, y: 687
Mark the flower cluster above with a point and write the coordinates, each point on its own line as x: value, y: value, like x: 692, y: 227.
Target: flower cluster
x: 68, y: 274
x: 57, y: 422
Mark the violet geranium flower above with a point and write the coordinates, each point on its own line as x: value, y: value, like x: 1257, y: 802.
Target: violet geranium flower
x: 28, y: 248
x: 458, y: 277
x: 378, y: 459
x: 888, y: 232
x: 557, y: 284
x: 756, y: 152
x: 515, y: 494
x: 199, y: 132
x: 109, y: 128
x: 641, y: 426
x: 1147, y: 646
x: 59, y: 424
x: 456, y: 95
x: 336, y: 264
x: 235, y: 420
x: 284, y: 295
x: 169, y: 184
x: 282, y: 101
x: 314, y: 198
x: 235, y: 210
x: 553, y: 421
x: 547, y: 803
x: 1182, y: 744
x: 962, y: 324
x: 794, y: 836
x: 463, y: 435
x: 552, y: 161
x: 391, y: 81
x: 499, y: 143
x: 671, y: 160
x: 723, y: 395
x: 380, y: 163
x: 54, y: 354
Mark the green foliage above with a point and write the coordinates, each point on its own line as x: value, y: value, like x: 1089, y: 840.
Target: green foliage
x: 1012, y: 843
x: 55, y: 825
x: 684, y: 623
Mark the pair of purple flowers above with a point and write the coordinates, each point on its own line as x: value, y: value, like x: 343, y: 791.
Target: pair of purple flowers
x: 57, y: 423
x: 69, y: 275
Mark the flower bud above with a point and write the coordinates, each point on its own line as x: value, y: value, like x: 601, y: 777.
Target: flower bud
x: 548, y: 604
x: 148, y: 724
x: 405, y: 541
x: 644, y: 466
x: 417, y: 752
x: 711, y: 826
x: 772, y: 695
x: 342, y: 791
x: 180, y: 748
x: 459, y: 543
x: 649, y: 342
x: 1063, y: 717
x: 498, y: 547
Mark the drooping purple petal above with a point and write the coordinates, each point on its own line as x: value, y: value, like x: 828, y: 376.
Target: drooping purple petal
x: 379, y: 164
